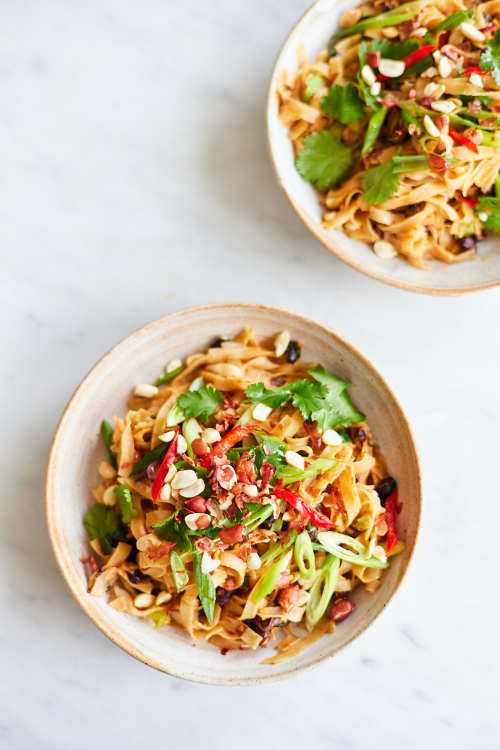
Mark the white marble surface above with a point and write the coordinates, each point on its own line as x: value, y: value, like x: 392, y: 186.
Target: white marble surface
x: 135, y: 182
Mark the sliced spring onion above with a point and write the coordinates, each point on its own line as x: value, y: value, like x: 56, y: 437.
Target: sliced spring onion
x: 246, y: 416
x: 170, y: 375
x: 206, y: 587
x: 179, y: 572
x: 453, y: 21
x: 290, y: 474
x: 322, y: 590
x: 304, y: 553
x: 270, y: 579
x: 277, y: 549
x: 331, y: 541
x: 257, y: 517
x: 191, y: 430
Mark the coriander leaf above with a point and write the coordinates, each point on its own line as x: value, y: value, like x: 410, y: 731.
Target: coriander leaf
x: 490, y: 57
x: 205, y: 585
x: 342, y: 103
x: 259, y: 394
x: 324, y: 160
x: 335, y: 385
x: 101, y: 522
x: 380, y: 183
x: 124, y: 499
x: 173, y: 531
x: 201, y: 403
x: 149, y: 458
x: 308, y: 397
x: 313, y: 85
x: 394, y: 50
x: 489, y: 206
x: 107, y: 437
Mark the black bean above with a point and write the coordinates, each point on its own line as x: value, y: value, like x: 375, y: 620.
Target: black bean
x: 293, y: 352
x: 223, y: 595
x: 217, y: 343
x: 263, y: 627
x: 468, y: 242
x: 392, y: 85
x: 413, y: 208
x: 313, y: 533
x: 136, y: 577
x: 385, y: 488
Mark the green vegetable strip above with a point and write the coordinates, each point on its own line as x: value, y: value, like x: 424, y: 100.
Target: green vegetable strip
x: 179, y: 573
x: 246, y: 416
x: 149, y: 458
x: 303, y: 553
x: 413, y: 108
x: 170, y: 375
x: 290, y: 474
x: 497, y: 185
x: 453, y: 21
x: 107, y: 436
x: 269, y: 581
x: 410, y: 163
x: 257, y: 517
x: 328, y: 540
x: 175, y: 416
x: 277, y: 549
x: 124, y: 500
x: 206, y: 587
x: 313, y: 85
x: 373, y: 130
x: 392, y: 17
x: 322, y: 590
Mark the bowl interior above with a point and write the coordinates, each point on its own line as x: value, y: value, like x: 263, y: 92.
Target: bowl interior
x: 103, y: 393
x: 313, y: 32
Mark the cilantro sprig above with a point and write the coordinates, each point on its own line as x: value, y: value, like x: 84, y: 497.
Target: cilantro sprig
x: 381, y: 182
x: 323, y: 400
x: 490, y: 57
x: 102, y: 522
x: 342, y: 103
x: 325, y: 160
x: 200, y: 403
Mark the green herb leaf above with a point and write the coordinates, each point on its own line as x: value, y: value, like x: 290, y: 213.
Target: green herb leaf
x: 206, y: 587
x: 173, y: 531
x: 490, y: 57
x: 124, y: 499
x: 380, y: 183
x: 394, y: 50
x: 324, y: 160
x: 453, y: 21
x: 149, y: 458
x: 490, y: 206
x: 107, y: 437
x: 259, y: 394
x: 308, y: 397
x: 170, y: 375
x: 200, y: 403
x: 338, y: 410
x: 313, y: 84
x: 342, y: 103
x: 102, y: 522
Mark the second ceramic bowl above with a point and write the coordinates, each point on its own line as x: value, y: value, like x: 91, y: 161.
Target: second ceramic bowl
x: 313, y: 31
x: 77, y: 449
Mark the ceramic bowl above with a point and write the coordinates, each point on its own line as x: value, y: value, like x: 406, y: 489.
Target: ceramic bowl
x: 313, y: 31
x: 77, y: 449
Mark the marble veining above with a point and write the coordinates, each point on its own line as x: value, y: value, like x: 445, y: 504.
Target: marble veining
x: 136, y: 182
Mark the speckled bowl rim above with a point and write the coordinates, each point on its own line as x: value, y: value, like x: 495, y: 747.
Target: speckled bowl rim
x: 332, y: 246
x: 64, y: 561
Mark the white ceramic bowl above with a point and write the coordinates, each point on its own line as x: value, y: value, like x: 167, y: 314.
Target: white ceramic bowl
x: 77, y: 448
x: 313, y: 31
